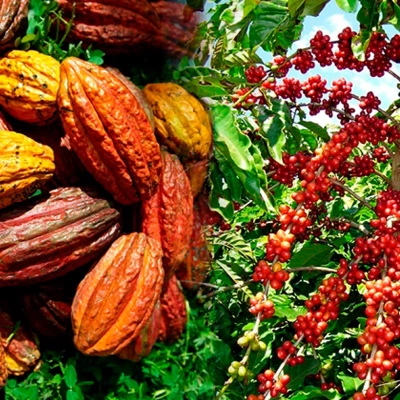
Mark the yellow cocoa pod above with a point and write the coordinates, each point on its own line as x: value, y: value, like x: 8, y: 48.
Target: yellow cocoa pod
x: 29, y: 83
x: 181, y: 122
x: 24, y: 166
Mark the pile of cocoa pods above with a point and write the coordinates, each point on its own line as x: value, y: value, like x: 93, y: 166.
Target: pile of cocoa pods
x: 102, y: 201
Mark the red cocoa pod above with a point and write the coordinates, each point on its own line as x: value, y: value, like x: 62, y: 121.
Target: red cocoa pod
x: 173, y: 312
x: 116, y: 298
x: 178, y: 28
x: 3, y: 366
x: 197, y: 174
x: 20, y: 345
x: 193, y: 269
x: 168, y: 215
x: 109, y: 131
x: 48, y: 237
x: 13, y: 15
x: 47, y: 309
x: 114, y: 26
x: 141, y: 347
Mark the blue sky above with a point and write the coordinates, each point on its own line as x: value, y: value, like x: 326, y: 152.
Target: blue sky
x: 332, y: 21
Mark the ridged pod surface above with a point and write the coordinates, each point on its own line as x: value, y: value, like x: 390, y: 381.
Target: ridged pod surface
x: 3, y: 365
x: 136, y: 92
x: 178, y: 28
x: 21, y: 351
x: 181, y: 122
x: 141, y: 347
x: 43, y: 239
x: 114, y: 26
x: 168, y: 215
x: 173, y: 312
x: 25, y: 165
x: 117, y: 297
x: 109, y: 131
x: 29, y: 83
x: 194, y: 268
x: 12, y: 17
x: 48, y: 310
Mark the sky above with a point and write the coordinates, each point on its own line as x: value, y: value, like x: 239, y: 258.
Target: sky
x: 332, y: 20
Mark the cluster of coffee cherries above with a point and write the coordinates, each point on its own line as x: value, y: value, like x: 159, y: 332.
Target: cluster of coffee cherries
x: 275, y: 275
x: 322, y: 308
x: 259, y: 304
x: 290, y: 168
x: 251, y: 339
x: 288, y: 350
x: 351, y: 272
x: 268, y: 382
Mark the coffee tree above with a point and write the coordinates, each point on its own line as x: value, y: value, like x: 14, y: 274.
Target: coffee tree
x: 306, y: 257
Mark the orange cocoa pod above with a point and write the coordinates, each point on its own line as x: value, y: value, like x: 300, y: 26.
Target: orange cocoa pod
x: 117, y: 297
x: 168, y: 215
x: 193, y: 269
x: 109, y: 131
x: 173, y: 312
x: 141, y: 347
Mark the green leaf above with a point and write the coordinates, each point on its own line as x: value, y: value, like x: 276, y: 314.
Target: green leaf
x: 284, y: 307
x: 350, y: 383
x: 96, y: 56
x: 26, y: 393
x: 220, y: 196
x: 28, y: 38
x: 235, y: 242
x: 311, y: 254
x: 299, y: 8
x: 242, y: 57
x: 70, y: 376
x: 317, y: 129
x: 234, y: 146
x: 301, y: 371
x: 312, y: 392
x: 267, y: 16
x: 368, y: 15
x: 349, y: 6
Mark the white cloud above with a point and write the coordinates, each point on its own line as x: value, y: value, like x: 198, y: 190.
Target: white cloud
x: 335, y: 24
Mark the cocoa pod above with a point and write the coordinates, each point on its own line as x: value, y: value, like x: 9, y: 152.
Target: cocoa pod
x: 20, y: 346
x: 117, y: 297
x: 48, y: 237
x: 197, y: 174
x: 13, y: 15
x: 168, y: 215
x: 25, y: 165
x: 178, y: 29
x: 181, y: 122
x: 29, y: 83
x: 109, y: 131
x: 173, y: 312
x: 194, y: 267
x: 69, y: 171
x: 3, y: 365
x: 136, y: 92
x: 142, y: 346
x: 115, y: 27
x: 47, y: 309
